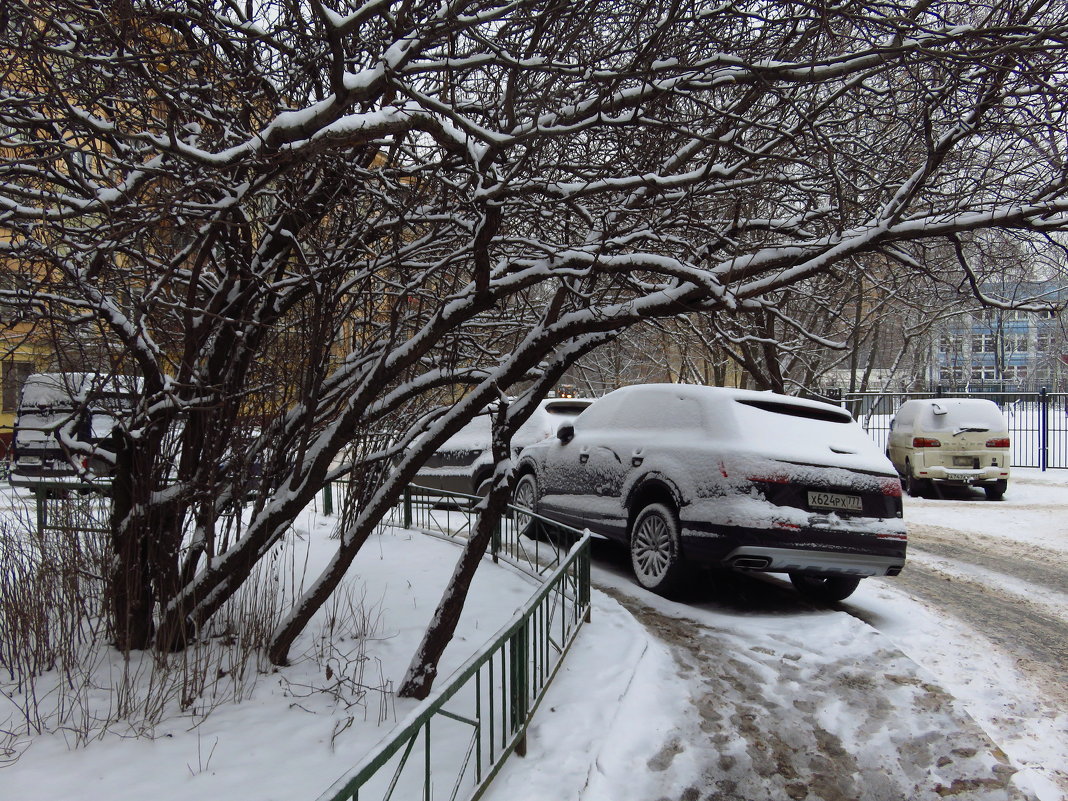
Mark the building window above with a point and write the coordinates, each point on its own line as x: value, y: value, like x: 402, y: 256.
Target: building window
x: 15, y: 374
x: 1043, y: 375
x: 1044, y: 342
x: 983, y: 343
x: 949, y: 344
x: 981, y: 373
x: 1015, y: 372
x: 1016, y: 343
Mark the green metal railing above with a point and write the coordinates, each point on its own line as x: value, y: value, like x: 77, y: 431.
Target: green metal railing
x: 534, y: 544
x: 454, y: 743
x: 72, y: 506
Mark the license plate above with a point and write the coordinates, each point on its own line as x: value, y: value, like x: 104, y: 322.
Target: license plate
x: 963, y: 461
x: 834, y: 500
x: 959, y: 476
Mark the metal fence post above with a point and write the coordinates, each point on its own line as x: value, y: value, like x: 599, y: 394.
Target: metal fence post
x: 585, y: 582
x: 519, y: 676
x: 407, y: 507
x: 328, y: 499
x: 41, y: 494
x: 1043, y: 428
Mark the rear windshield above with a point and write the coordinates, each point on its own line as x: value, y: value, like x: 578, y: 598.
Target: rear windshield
x: 962, y: 414
x: 797, y: 410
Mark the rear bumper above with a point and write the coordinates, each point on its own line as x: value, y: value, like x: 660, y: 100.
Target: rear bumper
x: 34, y: 475
x: 809, y: 550
x: 961, y: 476
x: 786, y: 560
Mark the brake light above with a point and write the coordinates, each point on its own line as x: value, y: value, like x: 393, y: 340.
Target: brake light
x: 891, y: 487
x: 770, y: 478
x: 925, y: 442
x: 1000, y: 442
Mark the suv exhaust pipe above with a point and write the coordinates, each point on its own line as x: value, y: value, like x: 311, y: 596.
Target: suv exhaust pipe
x: 751, y: 563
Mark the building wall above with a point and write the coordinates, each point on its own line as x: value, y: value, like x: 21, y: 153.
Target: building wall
x: 999, y: 349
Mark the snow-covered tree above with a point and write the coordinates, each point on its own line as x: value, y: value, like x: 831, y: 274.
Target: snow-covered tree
x: 326, y: 232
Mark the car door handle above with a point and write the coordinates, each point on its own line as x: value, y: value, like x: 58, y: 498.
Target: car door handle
x: 584, y: 455
x: 636, y: 458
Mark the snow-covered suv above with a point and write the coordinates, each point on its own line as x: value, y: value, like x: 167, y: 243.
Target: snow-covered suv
x: 61, y: 417
x: 730, y: 478
x: 464, y: 462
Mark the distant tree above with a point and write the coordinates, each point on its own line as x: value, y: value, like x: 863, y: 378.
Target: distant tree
x: 326, y: 234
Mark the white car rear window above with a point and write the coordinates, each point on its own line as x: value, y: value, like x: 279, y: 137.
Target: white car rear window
x: 955, y: 414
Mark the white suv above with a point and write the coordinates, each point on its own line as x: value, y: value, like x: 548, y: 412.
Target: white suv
x: 464, y: 462
x: 960, y: 441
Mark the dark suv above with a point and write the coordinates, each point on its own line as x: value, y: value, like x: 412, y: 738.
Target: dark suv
x: 61, y: 417
x: 731, y: 478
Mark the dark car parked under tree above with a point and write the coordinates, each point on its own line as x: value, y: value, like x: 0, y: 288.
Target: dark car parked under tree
x: 754, y: 481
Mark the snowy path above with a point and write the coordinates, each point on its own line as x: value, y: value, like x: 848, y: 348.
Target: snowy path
x: 986, y: 594
x: 794, y: 702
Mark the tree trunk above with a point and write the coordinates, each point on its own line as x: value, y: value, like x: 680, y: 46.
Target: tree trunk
x: 290, y: 628
x: 131, y: 586
x: 419, y: 680
x: 423, y: 670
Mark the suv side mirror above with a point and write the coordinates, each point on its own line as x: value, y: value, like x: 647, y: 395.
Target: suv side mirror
x: 565, y: 433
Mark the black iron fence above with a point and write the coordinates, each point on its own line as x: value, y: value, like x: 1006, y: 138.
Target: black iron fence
x: 1038, y: 421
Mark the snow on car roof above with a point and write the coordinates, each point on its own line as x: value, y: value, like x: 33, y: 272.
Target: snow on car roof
x: 655, y: 394
x: 42, y: 390
x: 780, y: 426
x: 703, y: 392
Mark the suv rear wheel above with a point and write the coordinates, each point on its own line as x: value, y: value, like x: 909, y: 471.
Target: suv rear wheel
x: 525, y: 496
x: 824, y: 588
x: 655, y: 555
x: 995, y: 491
x: 915, y: 487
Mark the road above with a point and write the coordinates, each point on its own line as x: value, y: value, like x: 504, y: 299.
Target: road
x: 1001, y: 590
x: 972, y: 563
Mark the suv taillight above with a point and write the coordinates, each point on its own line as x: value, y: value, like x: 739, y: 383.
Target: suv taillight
x: 1000, y: 442
x: 925, y: 442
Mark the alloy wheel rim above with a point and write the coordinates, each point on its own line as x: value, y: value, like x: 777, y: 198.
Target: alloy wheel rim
x: 524, y: 494
x: 652, y: 547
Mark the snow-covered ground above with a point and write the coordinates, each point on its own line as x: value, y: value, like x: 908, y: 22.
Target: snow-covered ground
x: 974, y: 689
x: 896, y: 688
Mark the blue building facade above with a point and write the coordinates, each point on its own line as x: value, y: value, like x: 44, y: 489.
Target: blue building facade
x: 994, y: 349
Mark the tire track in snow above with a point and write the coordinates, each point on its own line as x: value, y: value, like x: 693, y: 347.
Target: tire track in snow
x: 1035, y: 638
x: 1029, y: 562
x: 780, y: 716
